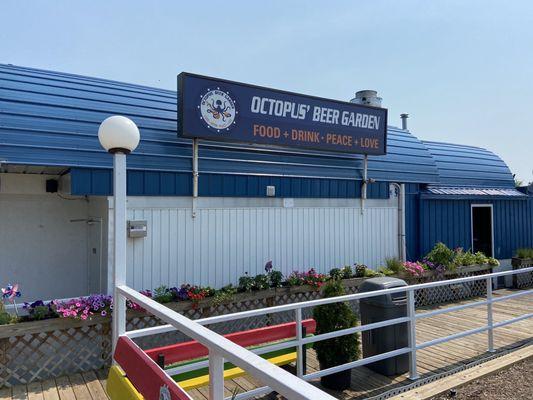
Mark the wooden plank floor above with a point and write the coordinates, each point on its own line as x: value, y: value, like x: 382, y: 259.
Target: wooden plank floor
x: 365, y: 383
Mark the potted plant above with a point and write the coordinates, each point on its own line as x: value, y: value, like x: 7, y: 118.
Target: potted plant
x: 339, y: 350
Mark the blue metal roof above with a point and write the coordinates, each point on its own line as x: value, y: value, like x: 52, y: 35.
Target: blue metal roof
x: 51, y: 119
x: 469, y: 166
x: 440, y: 192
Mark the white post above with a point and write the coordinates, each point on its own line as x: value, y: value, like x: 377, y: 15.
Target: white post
x: 216, y: 376
x: 490, y: 321
x: 299, y: 348
x: 365, y: 183
x: 194, y: 175
x: 411, y: 313
x: 119, y: 248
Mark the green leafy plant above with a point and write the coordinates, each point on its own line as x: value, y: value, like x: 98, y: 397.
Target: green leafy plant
x: 162, y: 294
x: 462, y: 258
x: 440, y: 254
x: 246, y: 283
x: 370, y: 273
x: 386, y: 271
x: 335, y: 273
x: 333, y: 317
x: 41, y: 312
x: 524, y: 253
x: 295, y: 279
x: 493, y: 262
x: 360, y: 270
x: 394, y: 265
x: 480, y: 258
x: 261, y: 282
x: 276, y: 279
x: 5, y: 317
x: 347, y: 272
x: 224, y: 295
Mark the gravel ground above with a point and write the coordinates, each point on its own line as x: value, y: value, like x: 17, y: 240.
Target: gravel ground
x: 514, y: 383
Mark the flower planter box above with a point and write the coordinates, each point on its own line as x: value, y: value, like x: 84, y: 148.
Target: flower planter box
x: 40, y: 350
x: 449, y: 293
x: 524, y: 280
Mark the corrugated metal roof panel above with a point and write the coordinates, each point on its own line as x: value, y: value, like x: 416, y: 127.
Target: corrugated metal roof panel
x: 51, y: 118
x: 469, y: 166
x: 463, y: 191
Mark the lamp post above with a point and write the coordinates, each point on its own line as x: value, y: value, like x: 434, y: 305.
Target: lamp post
x: 119, y: 136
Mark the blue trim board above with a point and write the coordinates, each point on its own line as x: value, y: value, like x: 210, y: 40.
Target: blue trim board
x: 98, y: 182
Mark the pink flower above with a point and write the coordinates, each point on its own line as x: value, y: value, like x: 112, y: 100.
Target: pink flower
x: 84, y: 316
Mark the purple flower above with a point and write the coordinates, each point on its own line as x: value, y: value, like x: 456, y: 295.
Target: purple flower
x: 268, y: 266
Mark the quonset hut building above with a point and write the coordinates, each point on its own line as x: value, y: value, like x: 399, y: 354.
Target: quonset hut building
x: 299, y: 208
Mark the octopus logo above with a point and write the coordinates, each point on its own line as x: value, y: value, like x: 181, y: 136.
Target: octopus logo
x: 164, y: 393
x: 217, y: 109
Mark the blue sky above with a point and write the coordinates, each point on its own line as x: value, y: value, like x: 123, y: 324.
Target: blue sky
x: 463, y: 70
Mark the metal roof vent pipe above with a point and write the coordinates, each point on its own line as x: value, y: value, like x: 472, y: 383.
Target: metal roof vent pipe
x: 367, y: 98
x: 404, y: 121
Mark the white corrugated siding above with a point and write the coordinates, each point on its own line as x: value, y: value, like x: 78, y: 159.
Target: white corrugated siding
x: 222, y: 244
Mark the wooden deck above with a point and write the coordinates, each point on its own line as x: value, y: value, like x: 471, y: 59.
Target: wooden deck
x: 365, y: 383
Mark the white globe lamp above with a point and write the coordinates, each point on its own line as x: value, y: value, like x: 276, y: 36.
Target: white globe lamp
x: 118, y: 134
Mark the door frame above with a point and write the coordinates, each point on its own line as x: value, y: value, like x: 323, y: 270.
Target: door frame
x: 472, y: 206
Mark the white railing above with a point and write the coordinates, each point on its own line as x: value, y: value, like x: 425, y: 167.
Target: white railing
x: 221, y: 349
x: 290, y: 386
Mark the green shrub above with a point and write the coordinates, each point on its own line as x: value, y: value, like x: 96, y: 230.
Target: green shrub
x: 246, y: 283
x: 347, y: 272
x: 394, y: 265
x: 261, y: 282
x: 334, y: 317
x: 440, y: 254
x: 360, y: 270
x: 335, y: 273
x: 276, y: 279
x: 524, y: 253
x: 41, y: 312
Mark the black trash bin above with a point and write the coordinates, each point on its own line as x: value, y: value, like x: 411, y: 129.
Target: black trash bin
x: 382, y: 340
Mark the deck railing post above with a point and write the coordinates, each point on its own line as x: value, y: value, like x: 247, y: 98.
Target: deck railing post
x: 299, y: 347
x: 216, y: 376
x: 119, y: 246
x: 411, y: 313
x: 490, y: 321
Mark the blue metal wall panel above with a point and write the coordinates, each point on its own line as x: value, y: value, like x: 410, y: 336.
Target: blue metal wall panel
x: 412, y: 191
x: 449, y: 221
x: 51, y: 118
x: 153, y: 183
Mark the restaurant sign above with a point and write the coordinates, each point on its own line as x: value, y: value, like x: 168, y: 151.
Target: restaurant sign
x: 221, y: 110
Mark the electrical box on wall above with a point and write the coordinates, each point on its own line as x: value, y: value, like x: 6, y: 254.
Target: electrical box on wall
x: 137, y: 229
x: 271, y: 191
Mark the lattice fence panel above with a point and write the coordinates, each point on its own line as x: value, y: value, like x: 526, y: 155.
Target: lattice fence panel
x: 46, y: 355
x: 452, y: 292
x: 524, y: 280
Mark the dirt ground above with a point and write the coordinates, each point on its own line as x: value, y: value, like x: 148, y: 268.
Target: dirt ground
x: 514, y: 383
